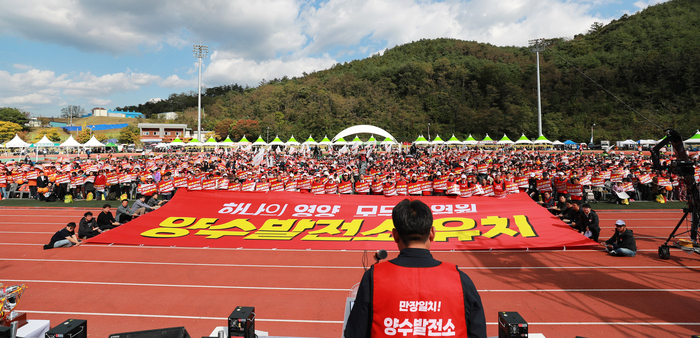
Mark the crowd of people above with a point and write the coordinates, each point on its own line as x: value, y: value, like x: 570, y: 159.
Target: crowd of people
x: 545, y: 176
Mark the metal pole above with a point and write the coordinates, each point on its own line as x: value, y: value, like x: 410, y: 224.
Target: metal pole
x: 199, y: 103
x: 592, y: 133
x: 539, y: 96
x: 537, y: 46
x: 200, y: 51
x: 428, y: 131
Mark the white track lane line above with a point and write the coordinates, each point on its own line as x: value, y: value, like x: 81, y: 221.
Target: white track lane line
x: 258, y: 319
x: 76, y: 261
x: 199, y: 286
x: 596, y: 250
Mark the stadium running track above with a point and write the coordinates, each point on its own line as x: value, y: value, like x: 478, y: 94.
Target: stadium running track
x: 301, y: 293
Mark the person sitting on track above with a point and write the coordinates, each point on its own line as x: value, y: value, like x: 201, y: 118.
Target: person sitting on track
x: 88, y: 227
x: 64, y: 238
x: 105, y: 220
x: 124, y: 213
x: 622, y: 243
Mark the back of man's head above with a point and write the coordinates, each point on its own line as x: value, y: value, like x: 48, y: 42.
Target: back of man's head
x: 413, y: 221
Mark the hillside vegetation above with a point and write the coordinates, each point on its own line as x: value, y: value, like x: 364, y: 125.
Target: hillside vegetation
x: 650, y: 61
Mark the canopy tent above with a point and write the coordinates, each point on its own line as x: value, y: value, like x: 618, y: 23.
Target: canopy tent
x: 388, y: 142
x: 93, y: 142
x: 17, y: 142
x: 194, y: 143
x: 504, y: 140
x: 292, y: 141
x: 244, y: 140
x: 523, y: 140
x: 695, y: 139
x: 177, y: 142
x: 487, y: 141
x: 647, y: 142
x: 470, y: 141
x: 363, y: 129
x: 340, y: 142
x: 112, y: 145
x: 542, y: 140
x: 325, y: 141
x: 259, y: 142
x: 211, y: 142
x: 70, y: 142
x: 437, y: 140
x: 44, y: 142
x: 277, y: 142
x: 626, y: 143
x: 310, y: 141
x: 227, y: 142
x: 570, y: 143
x: 371, y: 141
x: 453, y: 141
x: 356, y: 140
x: 557, y: 143
x: 421, y: 141
x: 162, y: 145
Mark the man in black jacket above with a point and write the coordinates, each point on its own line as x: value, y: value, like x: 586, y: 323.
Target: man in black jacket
x: 588, y: 222
x: 396, y: 289
x: 622, y: 243
x: 88, y: 227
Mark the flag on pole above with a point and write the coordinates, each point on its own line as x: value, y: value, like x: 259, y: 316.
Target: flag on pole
x: 258, y: 157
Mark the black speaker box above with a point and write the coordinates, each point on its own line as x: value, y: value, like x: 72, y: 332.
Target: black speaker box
x: 5, y: 331
x: 70, y: 328
x: 241, y: 322
x: 511, y: 325
x: 171, y: 332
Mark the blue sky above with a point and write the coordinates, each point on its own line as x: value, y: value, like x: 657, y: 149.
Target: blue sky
x: 101, y: 53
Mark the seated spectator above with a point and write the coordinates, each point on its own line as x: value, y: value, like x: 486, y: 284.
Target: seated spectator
x: 588, y: 222
x: 574, y: 215
x: 154, y: 202
x: 88, y: 227
x: 105, y: 220
x: 140, y: 207
x: 547, y: 200
x: 64, y: 238
x: 560, y: 205
x: 564, y: 213
x: 622, y: 242
x: 124, y: 213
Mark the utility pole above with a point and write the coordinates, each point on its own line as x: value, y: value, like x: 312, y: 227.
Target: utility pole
x: 537, y: 46
x: 200, y: 51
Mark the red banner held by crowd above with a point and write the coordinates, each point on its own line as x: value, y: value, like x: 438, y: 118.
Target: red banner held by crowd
x: 305, y: 221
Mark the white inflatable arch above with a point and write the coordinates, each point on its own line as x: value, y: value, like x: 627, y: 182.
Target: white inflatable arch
x: 363, y: 129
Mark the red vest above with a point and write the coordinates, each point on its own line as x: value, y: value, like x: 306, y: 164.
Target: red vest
x: 409, y: 301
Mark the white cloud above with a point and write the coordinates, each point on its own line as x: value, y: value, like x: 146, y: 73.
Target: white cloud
x: 174, y: 81
x: 100, y: 102
x: 21, y: 66
x: 227, y: 69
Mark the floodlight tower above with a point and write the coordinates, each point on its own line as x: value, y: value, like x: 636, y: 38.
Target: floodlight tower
x: 537, y: 46
x: 200, y: 51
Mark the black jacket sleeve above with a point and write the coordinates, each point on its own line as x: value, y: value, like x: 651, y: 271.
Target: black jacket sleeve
x: 360, y: 320
x: 474, y: 310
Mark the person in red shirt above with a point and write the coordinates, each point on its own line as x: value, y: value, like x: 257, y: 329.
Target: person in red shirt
x: 415, y: 276
x: 100, y: 184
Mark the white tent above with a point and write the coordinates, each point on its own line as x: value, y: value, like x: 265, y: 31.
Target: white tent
x: 44, y: 142
x: 16, y: 142
x: 93, y: 142
x: 628, y: 143
x: 363, y: 129
x: 70, y: 142
x: 695, y: 139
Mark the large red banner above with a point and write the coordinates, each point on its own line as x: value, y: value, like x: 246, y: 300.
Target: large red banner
x: 306, y: 221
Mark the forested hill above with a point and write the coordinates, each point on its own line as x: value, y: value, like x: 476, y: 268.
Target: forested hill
x: 650, y: 61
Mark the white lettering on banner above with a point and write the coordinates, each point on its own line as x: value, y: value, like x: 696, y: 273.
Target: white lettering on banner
x: 420, y: 306
x: 371, y: 210
x: 263, y: 210
x: 303, y: 210
x: 419, y: 327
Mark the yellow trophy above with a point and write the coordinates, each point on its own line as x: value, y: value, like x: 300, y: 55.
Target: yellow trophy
x: 12, y: 295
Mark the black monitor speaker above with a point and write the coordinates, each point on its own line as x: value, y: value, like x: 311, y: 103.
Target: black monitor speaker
x: 72, y: 328
x: 171, y: 332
